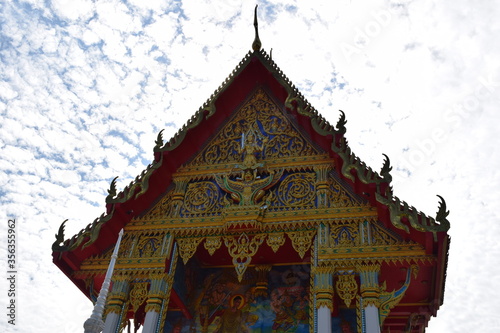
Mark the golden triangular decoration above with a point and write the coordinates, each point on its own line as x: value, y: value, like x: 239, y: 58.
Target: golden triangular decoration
x: 262, y: 119
x: 187, y: 247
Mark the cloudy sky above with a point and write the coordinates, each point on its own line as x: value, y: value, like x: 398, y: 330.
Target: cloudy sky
x: 85, y: 86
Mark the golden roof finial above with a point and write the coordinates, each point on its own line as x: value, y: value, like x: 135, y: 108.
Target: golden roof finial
x: 256, y: 45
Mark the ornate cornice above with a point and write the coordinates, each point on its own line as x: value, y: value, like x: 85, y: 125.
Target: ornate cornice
x: 84, y: 238
x: 401, y: 213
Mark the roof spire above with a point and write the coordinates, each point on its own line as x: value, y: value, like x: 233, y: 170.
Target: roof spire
x: 257, y: 44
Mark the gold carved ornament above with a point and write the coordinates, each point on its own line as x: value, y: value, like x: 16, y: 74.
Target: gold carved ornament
x: 201, y: 197
x: 187, y: 247
x: 118, y: 295
x: 249, y: 189
x: 337, y: 195
x: 156, y: 292
x: 272, y: 136
x: 298, y: 190
x: 347, y: 288
x: 301, y: 241
x: 388, y: 300
x: 242, y: 250
x: 344, y: 235
x: 138, y: 294
x: 212, y: 244
x: 370, y: 287
x: 148, y: 246
x: 275, y: 240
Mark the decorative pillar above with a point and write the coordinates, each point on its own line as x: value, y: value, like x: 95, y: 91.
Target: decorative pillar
x: 323, y: 289
x: 370, y: 292
x: 114, y: 308
x: 178, y: 195
x: 154, y: 302
x: 322, y: 185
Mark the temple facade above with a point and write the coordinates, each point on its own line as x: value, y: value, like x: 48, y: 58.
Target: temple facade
x: 257, y: 217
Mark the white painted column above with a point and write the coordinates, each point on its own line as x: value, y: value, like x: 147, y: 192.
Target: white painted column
x: 154, y: 303
x: 324, y: 320
x: 323, y: 280
x: 151, y: 322
x: 368, y: 276
x: 111, y: 323
x: 372, y: 319
x: 324, y: 299
x: 114, y: 306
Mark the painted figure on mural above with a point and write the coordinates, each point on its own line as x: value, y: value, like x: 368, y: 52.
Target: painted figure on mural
x: 289, y: 304
x: 210, y: 300
x: 236, y: 318
x: 233, y: 318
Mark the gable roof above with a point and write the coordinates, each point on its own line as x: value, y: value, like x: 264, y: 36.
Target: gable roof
x: 256, y: 69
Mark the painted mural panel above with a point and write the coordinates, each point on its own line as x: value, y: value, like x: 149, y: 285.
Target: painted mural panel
x: 219, y: 303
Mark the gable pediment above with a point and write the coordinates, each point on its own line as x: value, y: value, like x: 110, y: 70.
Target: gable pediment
x: 259, y: 168
x: 259, y: 124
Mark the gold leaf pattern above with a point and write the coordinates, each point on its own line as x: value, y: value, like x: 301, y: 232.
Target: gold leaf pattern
x: 262, y: 117
x: 344, y: 235
x: 347, y: 288
x: 187, y: 247
x: 297, y: 189
x: 276, y: 240
x: 201, y: 197
x: 212, y: 244
x: 138, y: 294
x: 301, y: 241
x: 242, y: 250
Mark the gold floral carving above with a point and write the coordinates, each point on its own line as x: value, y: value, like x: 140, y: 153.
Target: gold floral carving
x: 125, y: 246
x: 347, y: 288
x: 301, y: 241
x: 338, y: 196
x: 211, y: 244
x: 261, y: 117
x: 187, y: 247
x: 201, y: 197
x: 148, y: 246
x: 242, y: 249
x: 275, y: 240
x: 298, y: 189
x: 162, y: 209
x: 138, y: 294
x: 382, y: 236
x: 345, y: 235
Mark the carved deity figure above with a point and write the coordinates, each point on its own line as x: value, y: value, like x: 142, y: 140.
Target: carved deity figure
x: 250, y: 147
x: 249, y: 189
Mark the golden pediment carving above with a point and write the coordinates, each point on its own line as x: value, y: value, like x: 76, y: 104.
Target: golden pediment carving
x: 259, y: 129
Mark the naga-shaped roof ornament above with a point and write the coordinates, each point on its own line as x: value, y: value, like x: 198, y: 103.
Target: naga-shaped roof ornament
x: 257, y: 44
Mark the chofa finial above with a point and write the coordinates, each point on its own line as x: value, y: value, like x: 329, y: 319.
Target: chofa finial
x: 257, y: 44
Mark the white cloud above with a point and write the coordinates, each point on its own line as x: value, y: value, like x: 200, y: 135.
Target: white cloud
x: 73, y: 9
